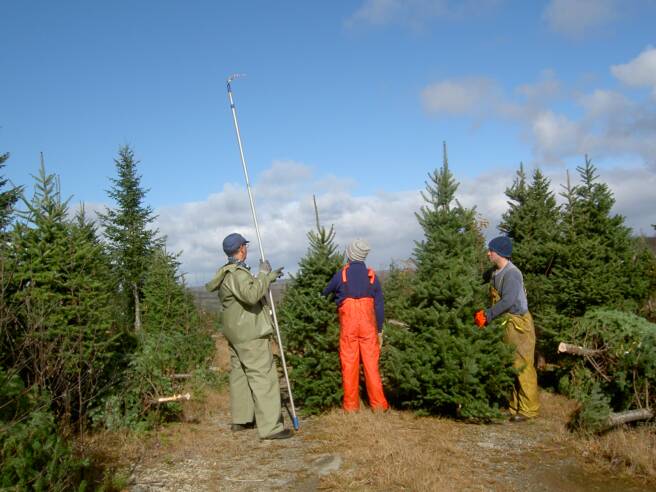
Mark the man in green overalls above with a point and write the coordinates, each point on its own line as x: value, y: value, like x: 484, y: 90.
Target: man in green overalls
x: 247, y: 325
x: 509, y: 302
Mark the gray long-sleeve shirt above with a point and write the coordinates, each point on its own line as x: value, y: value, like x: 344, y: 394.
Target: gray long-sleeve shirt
x: 510, y: 284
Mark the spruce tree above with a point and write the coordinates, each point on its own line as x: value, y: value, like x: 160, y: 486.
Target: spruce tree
x: 8, y: 197
x: 533, y: 222
x: 600, y: 263
x: 171, y: 341
x: 130, y: 240
x: 62, y: 296
x: 439, y: 362
x: 620, y: 372
x: 310, y: 327
x: 169, y: 312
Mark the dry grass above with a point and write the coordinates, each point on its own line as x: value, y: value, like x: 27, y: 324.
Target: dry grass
x: 628, y: 451
x: 393, y: 451
x: 381, y: 451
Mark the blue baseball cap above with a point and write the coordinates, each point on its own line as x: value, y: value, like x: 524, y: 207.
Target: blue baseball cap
x: 233, y: 242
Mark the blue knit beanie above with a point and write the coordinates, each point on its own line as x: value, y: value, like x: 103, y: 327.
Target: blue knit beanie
x: 501, y: 245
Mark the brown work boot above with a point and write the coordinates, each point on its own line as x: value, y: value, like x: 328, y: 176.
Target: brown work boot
x: 283, y: 434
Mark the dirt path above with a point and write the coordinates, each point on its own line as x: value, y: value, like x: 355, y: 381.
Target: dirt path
x: 365, y: 451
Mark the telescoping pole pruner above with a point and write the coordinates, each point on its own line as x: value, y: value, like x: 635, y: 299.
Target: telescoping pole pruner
x: 259, y: 242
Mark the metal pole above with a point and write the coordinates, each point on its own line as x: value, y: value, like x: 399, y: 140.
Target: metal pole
x: 259, y: 242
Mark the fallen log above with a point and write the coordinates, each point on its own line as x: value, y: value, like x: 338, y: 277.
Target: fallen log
x: 568, y: 348
x: 166, y: 399
x: 621, y: 418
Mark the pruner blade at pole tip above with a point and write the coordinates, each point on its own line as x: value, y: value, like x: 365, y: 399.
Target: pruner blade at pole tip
x: 235, y: 76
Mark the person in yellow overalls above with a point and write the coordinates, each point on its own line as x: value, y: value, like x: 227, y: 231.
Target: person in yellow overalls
x: 509, y: 303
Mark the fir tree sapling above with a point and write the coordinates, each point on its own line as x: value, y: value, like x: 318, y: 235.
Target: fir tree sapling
x: 8, y: 197
x: 62, y: 297
x: 600, y: 263
x: 533, y: 222
x: 310, y: 327
x: 439, y: 363
x: 129, y: 238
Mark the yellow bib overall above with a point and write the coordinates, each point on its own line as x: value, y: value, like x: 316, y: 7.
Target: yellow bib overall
x: 520, y: 332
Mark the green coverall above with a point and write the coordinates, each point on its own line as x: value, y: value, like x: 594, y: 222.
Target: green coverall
x: 247, y: 325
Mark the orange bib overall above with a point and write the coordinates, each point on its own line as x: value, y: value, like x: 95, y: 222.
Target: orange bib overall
x: 358, y: 338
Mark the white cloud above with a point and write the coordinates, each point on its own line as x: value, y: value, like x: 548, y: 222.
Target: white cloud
x: 632, y: 187
x: 639, y: 72
x: 415, y: 14
x: 574, y: 18
x: 387, y: 219
x: 548, y: 87
x: 468, y: 96
x: 555, y: 135
x: 560, y: 123
x: 283, y: 196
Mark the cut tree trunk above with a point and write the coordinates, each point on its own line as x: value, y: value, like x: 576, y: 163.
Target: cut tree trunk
x: 577, y: 349
x: 621, y: 418
x: 137, y: 309
x: 166, y: 399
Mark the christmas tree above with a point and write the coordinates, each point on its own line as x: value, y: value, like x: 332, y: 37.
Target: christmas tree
x: 613, y: 366
x: 601, y: 264
x: 439, y: 362
x: 62, y: 298
x: 310, y: 327
x: 533, y: 222
x: 129, y: 238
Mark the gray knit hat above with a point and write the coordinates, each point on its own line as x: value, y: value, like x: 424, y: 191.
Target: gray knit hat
x: 357, y: 250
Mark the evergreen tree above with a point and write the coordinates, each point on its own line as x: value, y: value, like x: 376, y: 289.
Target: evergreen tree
x: 172, y: 341
x: 33, y: 456
x: 600, y: 264
x: 310, y: 326
x: 126, y: 229
x: 7, y: 198
x: 619, y: 374
x: 169, y: 312
x: 440, y: 363
x: 61, y: 294
x: 533, y: 221
x: 397, y: 289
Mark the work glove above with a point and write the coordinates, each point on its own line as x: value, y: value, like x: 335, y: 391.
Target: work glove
x: 275, y: 274
x: 380, y: 340
x: 480, y: 319
x: 265, y: 267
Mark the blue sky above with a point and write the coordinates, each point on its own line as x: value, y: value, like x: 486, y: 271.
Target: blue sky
x: 346, y: 100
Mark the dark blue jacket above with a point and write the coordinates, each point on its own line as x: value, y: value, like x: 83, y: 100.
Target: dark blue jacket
x: 357, y: 286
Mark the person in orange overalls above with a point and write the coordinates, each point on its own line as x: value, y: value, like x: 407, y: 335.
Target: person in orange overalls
x: 360, y: 304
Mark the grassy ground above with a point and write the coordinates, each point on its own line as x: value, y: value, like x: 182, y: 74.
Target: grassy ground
x: 384, y: 451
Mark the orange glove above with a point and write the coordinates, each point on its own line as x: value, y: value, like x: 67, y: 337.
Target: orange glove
x: 479, y: 319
